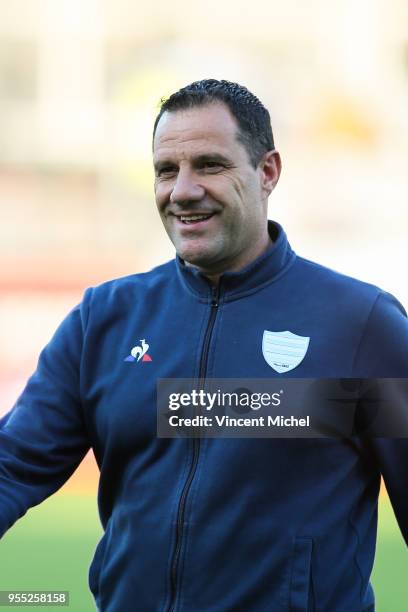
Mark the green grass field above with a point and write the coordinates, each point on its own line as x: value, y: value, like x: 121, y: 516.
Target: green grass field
x: 51, y: 549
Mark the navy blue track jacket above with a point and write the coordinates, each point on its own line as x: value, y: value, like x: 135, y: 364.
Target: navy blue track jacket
x: 213, y: 525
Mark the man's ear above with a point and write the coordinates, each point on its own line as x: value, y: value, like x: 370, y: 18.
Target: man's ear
x: 271, y: 166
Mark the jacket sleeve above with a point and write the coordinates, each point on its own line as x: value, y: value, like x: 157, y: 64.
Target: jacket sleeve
x: 43, y: 438
x: 383, y: 353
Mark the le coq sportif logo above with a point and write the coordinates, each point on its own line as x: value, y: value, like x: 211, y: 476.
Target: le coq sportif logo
x: 139, y: 352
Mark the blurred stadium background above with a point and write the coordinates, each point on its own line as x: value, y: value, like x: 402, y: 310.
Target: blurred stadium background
x: 80, y: 83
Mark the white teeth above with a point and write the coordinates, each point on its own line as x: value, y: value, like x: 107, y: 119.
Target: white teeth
x: 194, y: 218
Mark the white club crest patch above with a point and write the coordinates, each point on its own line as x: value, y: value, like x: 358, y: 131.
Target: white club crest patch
x: 284, y: 351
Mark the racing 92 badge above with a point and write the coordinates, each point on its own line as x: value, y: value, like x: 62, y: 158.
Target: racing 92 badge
x: 284, y: 351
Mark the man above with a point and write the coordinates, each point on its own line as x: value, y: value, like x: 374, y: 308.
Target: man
x: 214, y: 525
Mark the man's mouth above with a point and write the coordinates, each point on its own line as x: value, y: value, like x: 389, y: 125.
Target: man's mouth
x: 193, y: 219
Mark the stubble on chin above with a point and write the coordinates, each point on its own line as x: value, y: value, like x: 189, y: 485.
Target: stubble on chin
x: 197, y: 255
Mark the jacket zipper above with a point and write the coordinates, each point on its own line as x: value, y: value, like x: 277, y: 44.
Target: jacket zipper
x: 196, y: 453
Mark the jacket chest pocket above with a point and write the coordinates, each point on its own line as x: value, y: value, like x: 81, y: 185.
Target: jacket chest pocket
x: 301, y: 589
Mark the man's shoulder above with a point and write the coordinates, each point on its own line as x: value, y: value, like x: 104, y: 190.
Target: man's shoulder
x: 350, y: 298
x: 131, y: 283
x: 329, y: 279
x: 120, y: 295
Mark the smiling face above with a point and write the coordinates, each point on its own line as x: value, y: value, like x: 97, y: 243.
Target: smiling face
x: 212, y: 201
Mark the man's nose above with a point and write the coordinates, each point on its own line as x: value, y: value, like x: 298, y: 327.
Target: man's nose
x: 186, y: 188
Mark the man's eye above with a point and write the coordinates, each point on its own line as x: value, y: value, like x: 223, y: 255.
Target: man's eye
x: 166, y: 171
x: 212, y: 165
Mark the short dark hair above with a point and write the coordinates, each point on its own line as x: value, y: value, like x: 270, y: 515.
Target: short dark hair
x: 253, y: 119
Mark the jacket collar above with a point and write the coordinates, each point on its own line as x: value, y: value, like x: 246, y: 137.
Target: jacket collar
x: 253, y: 277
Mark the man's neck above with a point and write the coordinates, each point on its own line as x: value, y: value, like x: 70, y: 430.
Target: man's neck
x: 214, y: 277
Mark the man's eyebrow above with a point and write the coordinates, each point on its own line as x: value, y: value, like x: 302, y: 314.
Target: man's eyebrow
x: 197, y: 161
x: 211, y: 157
